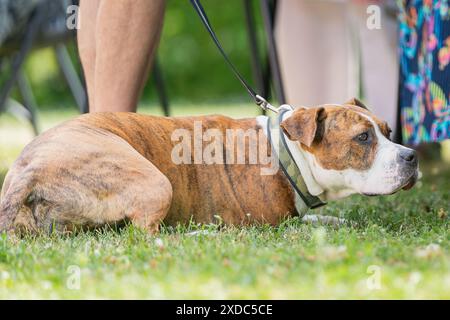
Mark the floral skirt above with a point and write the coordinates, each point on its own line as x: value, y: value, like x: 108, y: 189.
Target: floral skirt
x: 425, y: 70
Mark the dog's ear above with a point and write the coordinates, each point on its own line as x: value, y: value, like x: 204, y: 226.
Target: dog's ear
x: 356, y: 102
x: 303, y: 125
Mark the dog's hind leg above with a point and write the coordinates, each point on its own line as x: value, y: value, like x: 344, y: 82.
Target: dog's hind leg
x: 73, y: 182
x: 14, y: 210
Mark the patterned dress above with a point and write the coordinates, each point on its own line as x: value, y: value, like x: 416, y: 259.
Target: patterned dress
x: 425, y: 70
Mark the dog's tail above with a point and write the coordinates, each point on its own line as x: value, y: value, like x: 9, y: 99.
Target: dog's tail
x: 15, y: 211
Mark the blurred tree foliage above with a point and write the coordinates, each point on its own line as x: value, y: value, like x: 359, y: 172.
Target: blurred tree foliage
x: 192, y: 67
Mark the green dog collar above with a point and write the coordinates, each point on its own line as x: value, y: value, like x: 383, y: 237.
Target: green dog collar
x: 287, y: 163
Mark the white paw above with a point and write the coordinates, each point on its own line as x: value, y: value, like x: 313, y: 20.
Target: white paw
x: 323, y: 220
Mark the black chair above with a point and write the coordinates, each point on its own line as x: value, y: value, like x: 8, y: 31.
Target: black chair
x: 45, y: 27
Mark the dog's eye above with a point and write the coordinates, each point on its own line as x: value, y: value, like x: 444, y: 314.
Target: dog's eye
x: 363, y: 137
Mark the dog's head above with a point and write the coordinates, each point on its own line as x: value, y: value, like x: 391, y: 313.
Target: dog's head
x: 349, y: 150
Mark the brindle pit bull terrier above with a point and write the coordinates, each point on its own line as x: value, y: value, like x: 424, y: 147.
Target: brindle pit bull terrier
x: 106, y: 168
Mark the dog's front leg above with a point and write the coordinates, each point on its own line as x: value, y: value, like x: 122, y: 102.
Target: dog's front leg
x: 315, y: 219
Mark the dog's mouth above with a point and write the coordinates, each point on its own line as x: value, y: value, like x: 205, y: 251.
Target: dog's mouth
x: 411, y: 181
x: 408, y: 184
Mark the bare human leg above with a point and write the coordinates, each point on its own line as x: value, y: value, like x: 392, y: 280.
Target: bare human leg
x: 120, y: 39
x: 86, y: 43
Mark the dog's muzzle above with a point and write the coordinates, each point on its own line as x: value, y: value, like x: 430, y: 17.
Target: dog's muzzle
x: 407, y: 158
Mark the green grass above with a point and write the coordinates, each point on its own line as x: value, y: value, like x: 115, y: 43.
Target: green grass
x: 391, y: 234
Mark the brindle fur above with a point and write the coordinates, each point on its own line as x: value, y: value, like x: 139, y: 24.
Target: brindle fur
x: 107, y: 168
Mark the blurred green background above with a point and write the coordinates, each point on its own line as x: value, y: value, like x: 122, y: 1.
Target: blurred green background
x: 193, y: 70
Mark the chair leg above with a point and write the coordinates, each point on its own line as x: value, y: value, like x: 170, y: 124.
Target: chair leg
x: 70, y: 74
x: 160, y: 88
x: 268, y: 14
x: 258, y: 73
x: 267, y: 74
x: 19, y: 58
x: 16, y: 66
x: 28, y: 99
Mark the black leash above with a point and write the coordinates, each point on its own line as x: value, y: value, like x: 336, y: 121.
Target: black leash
x: 285, y: 157
x: 260, y: 101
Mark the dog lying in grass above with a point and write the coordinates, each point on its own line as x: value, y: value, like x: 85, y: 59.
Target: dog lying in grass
x: 107, y: 168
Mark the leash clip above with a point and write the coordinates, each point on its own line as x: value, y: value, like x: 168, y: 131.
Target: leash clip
x: 264, y: 104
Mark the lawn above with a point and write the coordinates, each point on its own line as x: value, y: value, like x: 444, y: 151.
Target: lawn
x: 392, y: 247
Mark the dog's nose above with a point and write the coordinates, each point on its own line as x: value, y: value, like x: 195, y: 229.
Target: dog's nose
x: 408, y: 156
